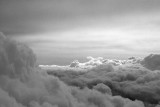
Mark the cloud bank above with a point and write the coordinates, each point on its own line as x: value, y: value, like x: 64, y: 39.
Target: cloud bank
x: 24, y: 84
x: 135, y: 78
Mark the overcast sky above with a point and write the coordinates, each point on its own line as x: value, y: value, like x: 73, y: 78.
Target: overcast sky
x: 60, y: 31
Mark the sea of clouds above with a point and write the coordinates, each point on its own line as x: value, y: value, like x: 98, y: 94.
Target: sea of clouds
x: 96, y: 83
x: 135, y: 78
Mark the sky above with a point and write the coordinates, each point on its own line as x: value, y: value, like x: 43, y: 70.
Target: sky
x: 60, y: 31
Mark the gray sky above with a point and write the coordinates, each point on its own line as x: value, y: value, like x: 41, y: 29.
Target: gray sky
x: 62, y: 30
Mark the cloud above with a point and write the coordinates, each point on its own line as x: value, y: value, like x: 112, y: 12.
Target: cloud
x: 73, y: 29
x: 128, y: 78
x: 93, y: 63
x: 26, y: 17
x: 8, y: 101
x: 103, y: 88
x: 152, y: 62
x: 15, y: 59
x: 24, y: 84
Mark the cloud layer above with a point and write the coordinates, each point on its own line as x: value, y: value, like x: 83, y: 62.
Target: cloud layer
x: 135, y: 78
x: 24, y: 84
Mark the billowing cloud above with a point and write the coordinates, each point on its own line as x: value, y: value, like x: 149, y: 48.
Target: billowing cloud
x: 24, y: 84
x: 103, y: 88
x: 133, y: 78
x: 152, y: 62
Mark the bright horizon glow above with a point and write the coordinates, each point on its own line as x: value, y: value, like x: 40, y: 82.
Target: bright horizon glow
x: 62, y: 31
x: 80, y: 43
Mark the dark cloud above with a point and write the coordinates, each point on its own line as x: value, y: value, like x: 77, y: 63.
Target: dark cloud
x: 15, y: 58
x: 152, y: 62
x: 32, y: 16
